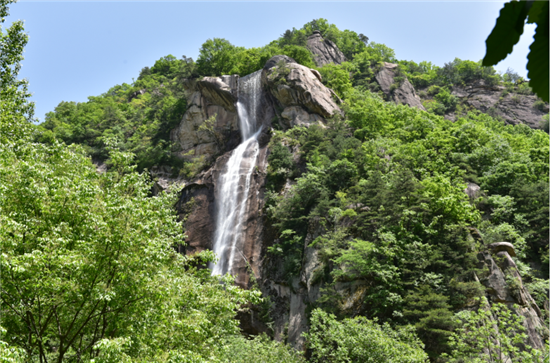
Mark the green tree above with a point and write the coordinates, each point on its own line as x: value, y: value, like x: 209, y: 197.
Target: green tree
x: 492, y: 333
x: 15, y: 109
x: 432, y: 318
x: 88, y: 257
x: 381, y: 52
x: 140, y: 115
x: 337, y: 77
x: 216, y: 57
x: 360, y: 340
x: 238, y: 349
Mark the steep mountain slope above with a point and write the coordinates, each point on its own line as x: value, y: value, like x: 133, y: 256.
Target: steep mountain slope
x: 382, y: 188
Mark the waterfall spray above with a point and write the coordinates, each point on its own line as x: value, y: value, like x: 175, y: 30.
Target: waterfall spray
x: 234, y: 182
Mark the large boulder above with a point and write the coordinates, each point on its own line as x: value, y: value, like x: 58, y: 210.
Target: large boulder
x: 400, y: 92
x: 297, y: 116
x: 502, y: 246
x: 220, y: 91
x: 473, y: 191
x: 206, y: 98
x: 324, y: 51
x: 298, y: 89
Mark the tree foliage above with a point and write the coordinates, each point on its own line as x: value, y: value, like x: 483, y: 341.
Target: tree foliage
x: 139, y: 115
x: 492, y: 333
x: 506, y: 33
x: 386, y: 188
x: 238, y: 349
x: 15, y: 107
x: 216, y: 57
x: 360, y: 340
x: 89, y: 257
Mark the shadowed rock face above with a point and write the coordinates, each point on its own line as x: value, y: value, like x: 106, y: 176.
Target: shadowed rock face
x: 324, y: 51
x: 197, y: 203
x: 404, y: 93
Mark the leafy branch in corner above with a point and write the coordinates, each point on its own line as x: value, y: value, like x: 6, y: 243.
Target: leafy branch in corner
x: 506, y: 34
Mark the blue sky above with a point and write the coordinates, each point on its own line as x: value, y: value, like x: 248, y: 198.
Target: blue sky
x: 81, y: 49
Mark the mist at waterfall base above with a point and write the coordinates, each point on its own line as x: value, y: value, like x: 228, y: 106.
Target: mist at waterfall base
x: 234, y: 182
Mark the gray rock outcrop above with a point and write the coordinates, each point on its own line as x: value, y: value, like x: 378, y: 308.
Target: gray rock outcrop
x: 324, y: 51
x: 513, y: 108
x: 297, y: 116
x: 473, y: 191
x: 290, y: 298
x: 504, y: 285
x: 299, y: 91
x: 401, y: 92
x: 209, y: 97
x: 502, y: 246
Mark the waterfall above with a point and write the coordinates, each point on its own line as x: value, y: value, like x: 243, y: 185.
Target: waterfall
x: 234, y: 181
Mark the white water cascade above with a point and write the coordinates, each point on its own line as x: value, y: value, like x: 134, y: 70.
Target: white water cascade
x: 234, y: 182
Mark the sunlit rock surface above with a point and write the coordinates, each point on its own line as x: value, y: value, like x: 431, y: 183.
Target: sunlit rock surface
x: 324, y: 51
x: 400, y: 92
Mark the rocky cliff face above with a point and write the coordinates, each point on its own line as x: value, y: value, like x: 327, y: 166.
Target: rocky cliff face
x: 504, y: 285
x: 400, y: 92
x: 197, y: 207
x: 324, y: 51
x: 298, y: 90
x: 207, y: 98
x: 287, y: 85
x: 295, y: 95
x: 513, y: 108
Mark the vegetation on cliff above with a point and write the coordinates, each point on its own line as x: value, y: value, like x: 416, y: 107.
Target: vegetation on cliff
x: 387, y: 185
x: 141, y: 114
x: 89, y: 269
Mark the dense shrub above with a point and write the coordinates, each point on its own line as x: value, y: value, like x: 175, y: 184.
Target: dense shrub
x: 238, y: 349
x: 360, y: 340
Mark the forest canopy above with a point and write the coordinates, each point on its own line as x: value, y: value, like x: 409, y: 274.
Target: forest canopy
x: 90, y: 264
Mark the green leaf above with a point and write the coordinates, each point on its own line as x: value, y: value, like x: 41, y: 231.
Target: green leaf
x: 538, y: 56
x: 506, y: 32
x: 537, y: 12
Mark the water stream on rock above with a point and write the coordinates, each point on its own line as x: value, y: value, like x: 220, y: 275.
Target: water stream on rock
x: 234, y: 182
